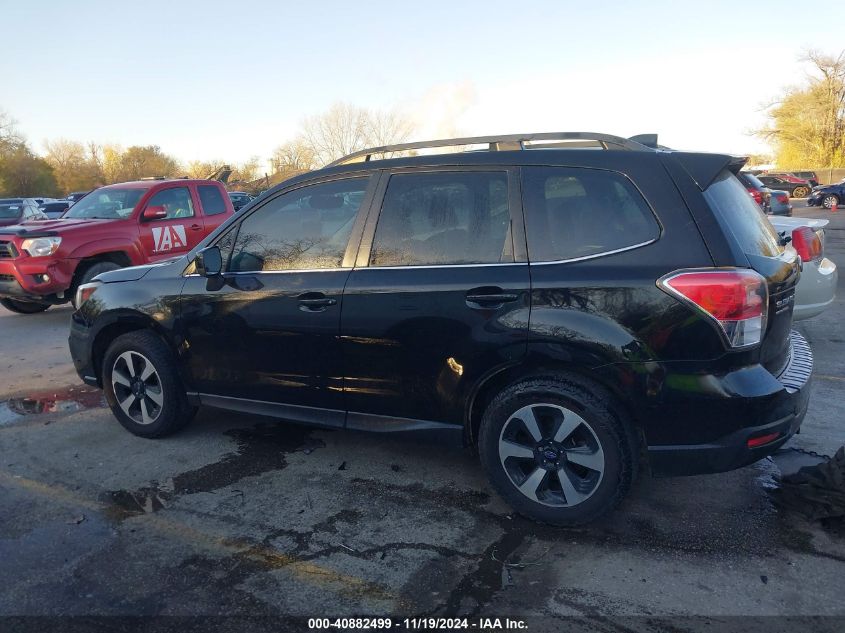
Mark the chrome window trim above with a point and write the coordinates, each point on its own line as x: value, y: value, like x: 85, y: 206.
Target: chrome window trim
x: 424, y: 266
x: 586, y: 257
x: 276, y: 272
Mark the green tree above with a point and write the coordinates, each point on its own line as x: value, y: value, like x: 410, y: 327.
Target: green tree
x: 807, y: 125
x: 24, y: 174
x: 74, y: 168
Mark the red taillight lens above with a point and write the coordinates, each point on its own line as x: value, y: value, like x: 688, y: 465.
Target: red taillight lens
x: 782, y: 198
x: 737, y: 299
x: 758, y: 197
x: 762, y: 440
x: 807, y: 243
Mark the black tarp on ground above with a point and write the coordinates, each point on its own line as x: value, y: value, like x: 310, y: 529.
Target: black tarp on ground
x: 817, y: 492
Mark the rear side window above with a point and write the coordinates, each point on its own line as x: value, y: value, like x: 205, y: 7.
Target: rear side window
x: 743, y: 217
x: 574, y: 212
x: 444, y: 218
x: 211, y: 199
x: 176, y: 202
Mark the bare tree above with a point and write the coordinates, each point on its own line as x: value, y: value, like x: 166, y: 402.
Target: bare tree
x: 294, y: 156
x: 10, y: 139
x: 342, y: 129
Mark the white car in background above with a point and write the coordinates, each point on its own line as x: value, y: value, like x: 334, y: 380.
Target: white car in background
x: 817, y: 288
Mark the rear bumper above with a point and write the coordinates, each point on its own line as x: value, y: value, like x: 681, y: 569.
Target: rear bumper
x: 779, y: 414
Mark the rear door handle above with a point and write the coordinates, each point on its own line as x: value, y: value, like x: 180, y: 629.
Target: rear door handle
x: 196, y: 227
x: 489, y: 297
x: 314, y: 302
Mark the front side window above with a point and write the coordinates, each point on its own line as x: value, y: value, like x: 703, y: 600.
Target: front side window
x: 572, y: 213
x: 211, y: 199
x: 176, y: 201
x: 307, y: 228
x: 444, y: 218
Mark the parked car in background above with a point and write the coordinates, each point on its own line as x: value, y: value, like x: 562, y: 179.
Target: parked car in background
x: 756, y: 189
x: 809, y: 176
x: 827, y: 195
x: 126, y: 224
x: 239, y: 199
x: 659, y: 295
x: 779, y: 203
x: 817, y: 287
x: 796, y: 187
x: 55, y: 208
x: 76, y: 196
x: 18, y: 210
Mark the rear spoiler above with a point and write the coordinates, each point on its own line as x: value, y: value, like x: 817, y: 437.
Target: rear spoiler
x: 705, y: 168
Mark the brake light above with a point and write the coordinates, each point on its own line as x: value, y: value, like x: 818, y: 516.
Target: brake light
x: 758, y: 197
x: 807, y: 242
x: 762, y: 440
x: 782, y: 198
x: 736, y: 299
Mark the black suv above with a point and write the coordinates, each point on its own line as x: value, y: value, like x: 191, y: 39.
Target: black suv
x: 561, y: 302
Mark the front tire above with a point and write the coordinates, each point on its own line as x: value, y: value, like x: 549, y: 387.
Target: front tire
x: 829, y: 201
x: 800, y: 192
x: 143, y: 387
x: 89, y: 274
x: 24, y: 307
x: 558, y: 449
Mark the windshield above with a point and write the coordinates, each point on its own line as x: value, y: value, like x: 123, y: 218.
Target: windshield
x: 753, y: 180
x: 10, y: 211
x: 107, y: 204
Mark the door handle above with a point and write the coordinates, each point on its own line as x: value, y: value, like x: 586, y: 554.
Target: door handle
x: 489, y: 297
x: 195, y: 227
x: 315, y: 302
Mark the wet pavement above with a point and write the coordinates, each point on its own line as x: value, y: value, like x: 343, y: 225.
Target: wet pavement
x: 241, y: 515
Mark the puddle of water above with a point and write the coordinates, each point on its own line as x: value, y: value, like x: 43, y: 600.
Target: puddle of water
x: 57, y: 402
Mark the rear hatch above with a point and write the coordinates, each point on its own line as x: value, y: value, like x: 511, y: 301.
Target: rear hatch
x: 767, y: 254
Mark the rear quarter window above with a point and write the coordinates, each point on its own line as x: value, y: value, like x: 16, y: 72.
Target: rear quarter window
x: 742, y: 216
x: 211, y: 199
x: 572, y: 213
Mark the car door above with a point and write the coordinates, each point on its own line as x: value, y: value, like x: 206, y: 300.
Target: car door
x: 265, y: 336
x: 213, y: 207
x: 180, y: 230
x: 439, y: 297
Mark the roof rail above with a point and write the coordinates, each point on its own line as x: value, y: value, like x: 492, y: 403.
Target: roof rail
x: 508, y: 142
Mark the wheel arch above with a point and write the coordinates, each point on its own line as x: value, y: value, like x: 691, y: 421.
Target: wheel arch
x: 121, y: 258
x: 491, y: 384
x: 118, y: 325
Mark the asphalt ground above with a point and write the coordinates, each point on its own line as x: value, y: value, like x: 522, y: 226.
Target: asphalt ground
x: 247, y: 516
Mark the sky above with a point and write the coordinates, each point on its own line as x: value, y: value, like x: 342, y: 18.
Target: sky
x: 230, y: 80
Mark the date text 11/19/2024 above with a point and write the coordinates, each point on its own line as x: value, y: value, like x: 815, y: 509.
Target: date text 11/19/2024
x: 417, y: 624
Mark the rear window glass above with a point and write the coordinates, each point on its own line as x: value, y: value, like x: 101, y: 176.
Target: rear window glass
x: 752, y: 179
x: 212, y: 200
x: 743, y: 217
x: 575, y: 212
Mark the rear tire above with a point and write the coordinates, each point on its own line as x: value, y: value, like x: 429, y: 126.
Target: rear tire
x: 800, y: 192
x: 24, y: 307
x: 89, y: 274
x: 829, y: 201
x: 143, y: 387
x: 570, y: 466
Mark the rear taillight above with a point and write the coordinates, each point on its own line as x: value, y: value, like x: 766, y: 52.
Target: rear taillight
x: 782, y: 198
x: 758, y: 197
x: 806, y: 241
x: 736, y: 299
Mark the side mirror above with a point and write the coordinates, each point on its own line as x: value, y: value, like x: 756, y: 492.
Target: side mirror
x: 209, y: 262
x: 155, y: 213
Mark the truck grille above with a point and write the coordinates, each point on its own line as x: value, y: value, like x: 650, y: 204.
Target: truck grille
x: 800, y: 365
x: 7, y: 278
x: 7, y: 250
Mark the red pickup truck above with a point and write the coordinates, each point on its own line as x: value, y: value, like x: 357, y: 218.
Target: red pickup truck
x: 43, y: 262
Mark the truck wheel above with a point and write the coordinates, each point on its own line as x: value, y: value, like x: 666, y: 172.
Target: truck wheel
x: 24, y: 307
x: 143, y: 387
x: 89, y: 274
x: 558, y: 449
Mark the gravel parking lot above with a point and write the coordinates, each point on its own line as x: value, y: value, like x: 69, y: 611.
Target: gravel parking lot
x: 242, y: 515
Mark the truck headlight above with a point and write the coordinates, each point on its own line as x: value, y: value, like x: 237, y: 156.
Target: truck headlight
x: 41, y: 246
